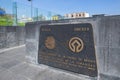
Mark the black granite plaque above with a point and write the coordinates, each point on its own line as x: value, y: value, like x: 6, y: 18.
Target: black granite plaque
x: 69, y: 47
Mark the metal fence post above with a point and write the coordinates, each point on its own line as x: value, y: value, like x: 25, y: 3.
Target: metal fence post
x: 15, y: 13
x: 36, y: 14
x: 49, y: 15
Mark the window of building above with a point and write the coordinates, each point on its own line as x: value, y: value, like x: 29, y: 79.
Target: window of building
x: 83, y: 14
x: 80, y: 15
x: 72, y: 15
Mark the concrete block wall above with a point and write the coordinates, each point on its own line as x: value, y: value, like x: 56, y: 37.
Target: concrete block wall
x: 11, y: 36
x: 106, y: 31
x: 109, y: 47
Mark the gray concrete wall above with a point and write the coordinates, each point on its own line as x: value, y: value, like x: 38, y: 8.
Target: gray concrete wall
x: 106, y: 31
x: 108, y: 46
x: 11, y: 36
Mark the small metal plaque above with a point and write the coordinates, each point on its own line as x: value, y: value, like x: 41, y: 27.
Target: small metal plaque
x: 69, y: 47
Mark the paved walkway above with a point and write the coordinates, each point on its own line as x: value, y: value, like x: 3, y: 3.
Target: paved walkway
x: 14, y: 67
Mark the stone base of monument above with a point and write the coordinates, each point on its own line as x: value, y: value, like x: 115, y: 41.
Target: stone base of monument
x: 85, y: 48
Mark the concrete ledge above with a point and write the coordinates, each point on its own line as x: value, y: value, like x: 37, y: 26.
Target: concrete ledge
x: 7, y: 49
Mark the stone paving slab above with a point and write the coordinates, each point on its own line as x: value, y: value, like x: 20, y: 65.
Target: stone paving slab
x: 25, y: 69
x: 9, y: 75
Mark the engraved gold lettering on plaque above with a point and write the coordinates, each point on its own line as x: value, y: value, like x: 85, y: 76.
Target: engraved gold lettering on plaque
x: 76, y: 44
x: 50, y: 42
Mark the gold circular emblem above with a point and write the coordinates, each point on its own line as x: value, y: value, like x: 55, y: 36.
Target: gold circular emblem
x: 76, y: 44
x: 50, y: 42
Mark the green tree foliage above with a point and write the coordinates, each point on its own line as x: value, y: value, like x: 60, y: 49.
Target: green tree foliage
x: 6, y: 20
x: 21, y: 24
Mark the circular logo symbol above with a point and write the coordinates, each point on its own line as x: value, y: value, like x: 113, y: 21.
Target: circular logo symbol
x: 50, y: 42
x: 76, y: 44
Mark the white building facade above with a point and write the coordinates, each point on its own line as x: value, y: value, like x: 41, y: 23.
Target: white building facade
x: 77, y: 15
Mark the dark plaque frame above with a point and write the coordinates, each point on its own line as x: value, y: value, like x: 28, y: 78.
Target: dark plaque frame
x: 69, y: 47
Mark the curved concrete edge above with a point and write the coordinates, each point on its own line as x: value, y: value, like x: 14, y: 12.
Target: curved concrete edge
x: 8, y: 49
